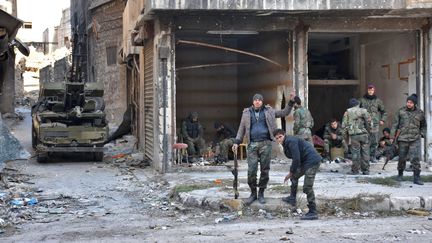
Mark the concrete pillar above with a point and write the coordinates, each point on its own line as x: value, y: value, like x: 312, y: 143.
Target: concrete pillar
x: 300, y: 62
x: 428, y: 91
x: 163, y: 77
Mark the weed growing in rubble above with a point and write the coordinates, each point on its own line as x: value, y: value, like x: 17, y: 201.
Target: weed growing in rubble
x: 391, y: 180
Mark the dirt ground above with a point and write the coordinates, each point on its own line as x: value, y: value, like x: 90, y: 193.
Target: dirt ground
x: 111, y: 202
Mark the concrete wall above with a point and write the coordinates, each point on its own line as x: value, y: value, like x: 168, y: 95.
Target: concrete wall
x: 152, y: 5
x: 211, y: 91
x: 107, y: 34
x: 389, y: 49
x: 264, y: 77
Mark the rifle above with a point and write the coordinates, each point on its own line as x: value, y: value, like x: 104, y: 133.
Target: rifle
x: 234, y: 171
x: 394, y: 144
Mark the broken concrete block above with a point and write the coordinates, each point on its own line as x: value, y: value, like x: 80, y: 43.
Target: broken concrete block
x: 427, y: 202
x: 404, y: 203
x: 375, y: 203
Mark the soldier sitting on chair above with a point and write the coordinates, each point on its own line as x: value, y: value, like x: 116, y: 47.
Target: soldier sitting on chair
x: 225, y: 137
x: 192, y: 133
x: 333, y: 137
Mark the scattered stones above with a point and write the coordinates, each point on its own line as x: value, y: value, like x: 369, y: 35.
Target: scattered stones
x: 289, y: 231
x: 284, y: 238
x: 416, y: 231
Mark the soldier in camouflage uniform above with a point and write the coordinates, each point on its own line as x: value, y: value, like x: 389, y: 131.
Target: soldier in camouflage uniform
x: 409, y: 125
x: 192, y: 133
x: 333, y: 137
x: 225, y: 137
x: 303, y: 121
x: 356, y: 124
x: 257, y: 125
x: 305, y: 162
x: 386, y: 148
x: 376, y: 110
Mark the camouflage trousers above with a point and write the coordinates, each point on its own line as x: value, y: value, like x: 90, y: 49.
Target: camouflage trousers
x: 306, y: 134
x: 388, y: 151
x: 258, y: 153
x: 196, y: 146
x: 225, y: 147
x: 309, y: 179
x: 328, y: 144
x: 360, y: 152
x: 409, y: 150
x: 373, y: 144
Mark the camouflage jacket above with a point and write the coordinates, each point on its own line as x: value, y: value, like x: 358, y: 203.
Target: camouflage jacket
x: 270, y: 116
x: 387, y: 141
x: 328, y: 130
x: 191, y: 130
x: 303, y: 121
x: 356, y: 121
x: 376, y: 110
x: 410, y: 123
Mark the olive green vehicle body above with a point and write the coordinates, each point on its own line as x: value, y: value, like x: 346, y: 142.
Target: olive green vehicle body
x: 58, y: 129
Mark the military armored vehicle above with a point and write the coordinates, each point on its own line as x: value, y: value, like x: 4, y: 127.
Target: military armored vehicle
x: 69, y: 116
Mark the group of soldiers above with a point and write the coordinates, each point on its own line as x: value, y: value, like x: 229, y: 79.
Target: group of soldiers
x: 360, y: 126
x: 361, y: 122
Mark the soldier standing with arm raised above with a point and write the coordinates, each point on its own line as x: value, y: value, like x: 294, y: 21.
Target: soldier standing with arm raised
x: 355, y: 123
x: 257, y: 124
x: 409, y: 125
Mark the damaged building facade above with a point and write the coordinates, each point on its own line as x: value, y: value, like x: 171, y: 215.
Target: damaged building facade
x: 212, y: 56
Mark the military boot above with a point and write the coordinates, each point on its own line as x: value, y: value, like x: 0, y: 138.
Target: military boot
x: 417, y: 178
x: 311, y: 215
x: 261, y: 196
x: 252, y: 197
x: 291, y: 199
x: 400, y: 175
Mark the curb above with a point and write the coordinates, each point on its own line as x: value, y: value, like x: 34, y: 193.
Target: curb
x: 360, y: 202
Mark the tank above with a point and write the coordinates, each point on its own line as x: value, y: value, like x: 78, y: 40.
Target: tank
x: 69, y: 115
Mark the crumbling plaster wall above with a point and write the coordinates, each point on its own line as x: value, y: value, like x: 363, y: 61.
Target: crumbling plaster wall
x: 278, y: 5
x: 263, y: 77
x: 210, y: 91
x: 382, y: 49
x: 106, y: 34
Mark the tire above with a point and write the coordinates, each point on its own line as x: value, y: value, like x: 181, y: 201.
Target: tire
x: 98, y: 156
x: 42, y: 157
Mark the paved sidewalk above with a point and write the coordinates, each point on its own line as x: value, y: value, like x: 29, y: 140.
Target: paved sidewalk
x: 332, y: 189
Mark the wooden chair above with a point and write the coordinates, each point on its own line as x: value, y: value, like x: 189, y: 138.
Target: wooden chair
x: 241, y: 146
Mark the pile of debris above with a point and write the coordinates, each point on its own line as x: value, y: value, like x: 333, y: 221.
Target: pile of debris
x: 10, y: 147
x: 123, y: 151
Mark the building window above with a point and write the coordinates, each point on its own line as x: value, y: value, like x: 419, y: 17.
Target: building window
x: 111, y: 54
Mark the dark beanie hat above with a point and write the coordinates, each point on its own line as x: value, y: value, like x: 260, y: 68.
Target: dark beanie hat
x: 353, y: 102
x: 258, y: 97
x: 297, y: 100
x: 413, y: 98
x: 386, y: 130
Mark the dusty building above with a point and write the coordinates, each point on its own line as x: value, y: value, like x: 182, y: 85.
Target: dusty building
x: 212, y: 56
x: 101, y: 21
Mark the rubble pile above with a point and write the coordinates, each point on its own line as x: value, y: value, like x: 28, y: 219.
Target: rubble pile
x: 10, y: 147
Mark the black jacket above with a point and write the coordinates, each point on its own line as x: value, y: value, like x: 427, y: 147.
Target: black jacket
x: 302, y: 153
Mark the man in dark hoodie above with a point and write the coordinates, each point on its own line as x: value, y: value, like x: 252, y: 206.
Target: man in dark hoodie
x: 375, y: 108
x: 409, y: 126
x: 305, y: 162
x: 192, y: 133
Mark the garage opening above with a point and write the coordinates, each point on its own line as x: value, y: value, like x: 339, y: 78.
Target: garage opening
x: 217, y: 74
x: 341, y: 65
